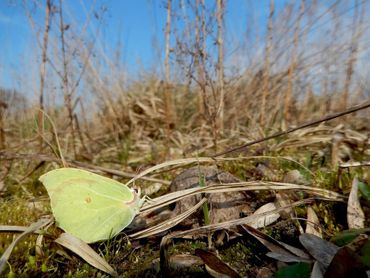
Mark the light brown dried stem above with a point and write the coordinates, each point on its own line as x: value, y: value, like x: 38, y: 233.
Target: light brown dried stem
x: 43, y: 68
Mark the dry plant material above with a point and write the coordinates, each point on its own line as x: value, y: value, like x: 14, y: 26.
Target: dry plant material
x: 355, y: 164
x: 313, y: 223
x: 166, y: 225
x: 287, y: 258
x: 283, y: 200
x: 223, y: 206
x: 268, y: 219
x: 32, y: 228
x: 169, y: 111
x: 277, y: 248
x: 83, y: 250
x: 40, y: 119
x: 355, y: 214
x: 35, y: 156
x: 241, y: 186
x: 316, y: 271
x: 184, y: 261
x: 266, y: 172
x: 322, y: 250
x: 346, y: 263
x: 363, y: 105
x: 215, y: 266
x: 294, y: 176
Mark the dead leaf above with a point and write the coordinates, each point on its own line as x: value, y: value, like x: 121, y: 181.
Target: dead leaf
x: 287, y: 258
x: 322, y: 250
x: 274, y: 245
x: 294, y: 176
x: 266, y: 220
x: 184, y: 261
x: 346, y: 263
x: 83, y: 250
x: 2, y: 186
x: 216, y: 265
x: 355, y: 215
x: 152, y: 189
x: 316, y: 271
x: 267, y: 172
x: 313, y: 224
x: 38, y: 245
x: 283, y: 200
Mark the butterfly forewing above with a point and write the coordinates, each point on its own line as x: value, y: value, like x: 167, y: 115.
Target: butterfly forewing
x: 90, y: 206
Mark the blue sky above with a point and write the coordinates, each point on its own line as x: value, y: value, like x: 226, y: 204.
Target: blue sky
x: 135, y: 23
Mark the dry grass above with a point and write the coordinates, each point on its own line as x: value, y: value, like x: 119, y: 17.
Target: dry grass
x: 118, y: 126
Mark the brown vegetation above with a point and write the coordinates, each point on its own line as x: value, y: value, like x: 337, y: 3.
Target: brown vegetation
x: 212, y: 97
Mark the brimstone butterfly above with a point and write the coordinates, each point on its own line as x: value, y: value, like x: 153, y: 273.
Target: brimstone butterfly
x: 89, y: 206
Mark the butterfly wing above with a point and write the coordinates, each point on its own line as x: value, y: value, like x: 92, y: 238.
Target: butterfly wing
x: 89, y: 206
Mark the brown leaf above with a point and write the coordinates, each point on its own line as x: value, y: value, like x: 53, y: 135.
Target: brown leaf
x: 346, y: 263
x: 184, y: 260
x: 218, y: 267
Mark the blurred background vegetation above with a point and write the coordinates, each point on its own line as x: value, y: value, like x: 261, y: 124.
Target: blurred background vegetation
x: 301, y: 60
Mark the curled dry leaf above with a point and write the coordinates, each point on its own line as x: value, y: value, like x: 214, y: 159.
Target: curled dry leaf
x: 184, y: 261
x: 38, y: 246
x: 265, y: 220
x: 355, y: 215
x: 313, y: 224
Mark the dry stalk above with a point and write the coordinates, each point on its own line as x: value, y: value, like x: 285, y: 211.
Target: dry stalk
x: 3, y: 107
x: 43, y: 67
x: 356, y: 35
x: 67, y: 93
x: 266, y: 70
x: 220, y: 67
x: 291, y: 70
x: 169, y: 111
